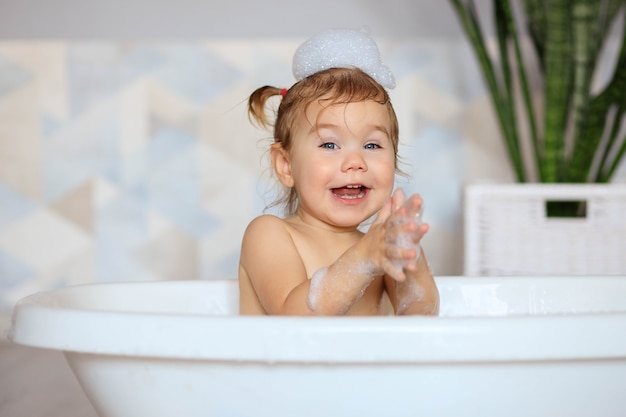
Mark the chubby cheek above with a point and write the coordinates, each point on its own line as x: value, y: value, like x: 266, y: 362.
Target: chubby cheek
x: 387, y: 189
x: 385, y: 174
x: 314, y: 174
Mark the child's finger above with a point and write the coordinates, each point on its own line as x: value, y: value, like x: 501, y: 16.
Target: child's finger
x: 415, y: 205
x: 398, y: 198
x: 393, y: 271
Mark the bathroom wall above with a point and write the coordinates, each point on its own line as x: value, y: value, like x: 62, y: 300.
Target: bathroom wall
x: 125, y: 149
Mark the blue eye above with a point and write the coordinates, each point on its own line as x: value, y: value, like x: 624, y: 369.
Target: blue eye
x: 328, y: 145
x: 372, y: 146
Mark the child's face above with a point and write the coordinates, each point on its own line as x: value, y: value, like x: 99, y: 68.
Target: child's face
x: 342, y: 162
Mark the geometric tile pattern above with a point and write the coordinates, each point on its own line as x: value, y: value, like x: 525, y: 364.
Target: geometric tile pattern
x: 136, y: 161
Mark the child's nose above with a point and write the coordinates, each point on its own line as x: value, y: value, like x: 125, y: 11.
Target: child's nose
x: 354, y: 161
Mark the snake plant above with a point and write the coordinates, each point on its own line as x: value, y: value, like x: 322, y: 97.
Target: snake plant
x: 541, y: 72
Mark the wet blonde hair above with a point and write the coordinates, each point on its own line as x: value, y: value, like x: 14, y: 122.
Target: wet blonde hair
x: 335, y: 86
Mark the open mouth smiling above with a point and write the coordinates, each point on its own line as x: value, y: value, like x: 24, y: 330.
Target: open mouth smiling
x: 351, y: 191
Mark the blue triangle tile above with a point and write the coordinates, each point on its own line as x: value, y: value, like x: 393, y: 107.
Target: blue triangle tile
x: 140, y: 61
x: 197, y: 74
x: 121, y: 228
x: 71, y: 160
x: 268, y: 63
x: 167, y: 143
x: 174, y: 190
x: 406, y: 59
x: 93, y: 73
x: 13, y: 272
x: 12, y: 205
x: 49, y: 124
x: 12, y: 76
x: 227, y: 267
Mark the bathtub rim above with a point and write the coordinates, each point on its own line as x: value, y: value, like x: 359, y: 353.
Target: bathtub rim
x: 346, y: 340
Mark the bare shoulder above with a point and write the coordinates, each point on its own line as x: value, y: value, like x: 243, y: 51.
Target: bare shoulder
x: 270, y: 265
x: 266, y: 228
x: 266, y: 236
x: 266, y: 220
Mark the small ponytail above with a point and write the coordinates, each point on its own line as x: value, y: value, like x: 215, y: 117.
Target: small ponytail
x: 257, y: 103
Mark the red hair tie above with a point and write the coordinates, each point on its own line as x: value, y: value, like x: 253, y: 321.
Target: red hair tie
x: 283, y: 92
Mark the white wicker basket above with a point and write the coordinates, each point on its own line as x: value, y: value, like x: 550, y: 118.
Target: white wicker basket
x: 507, y: 230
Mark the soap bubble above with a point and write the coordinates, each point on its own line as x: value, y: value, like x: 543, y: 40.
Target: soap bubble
x: 341, y: 48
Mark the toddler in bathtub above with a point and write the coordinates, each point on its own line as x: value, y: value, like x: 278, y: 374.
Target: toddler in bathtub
x: 335, y: 152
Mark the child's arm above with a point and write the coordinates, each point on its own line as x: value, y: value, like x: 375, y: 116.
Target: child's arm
x: 272, y: 266
x: 271, y: 269
x: 417, y: 294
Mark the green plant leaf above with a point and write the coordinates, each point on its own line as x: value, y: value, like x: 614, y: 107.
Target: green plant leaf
x: 582, y: 137
x: 558, y: 75
x: 536, y: 24
x: 603, y: 120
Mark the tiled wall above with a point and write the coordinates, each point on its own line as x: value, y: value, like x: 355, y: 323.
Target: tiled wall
x: 136, y: 160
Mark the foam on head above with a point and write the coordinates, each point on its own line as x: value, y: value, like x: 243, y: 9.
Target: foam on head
x: 341, y: 48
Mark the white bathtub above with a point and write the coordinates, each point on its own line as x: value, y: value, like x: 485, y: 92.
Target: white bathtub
x: 502, y: 347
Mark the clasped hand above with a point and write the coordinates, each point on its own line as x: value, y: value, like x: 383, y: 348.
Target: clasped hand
x: 398, y: 229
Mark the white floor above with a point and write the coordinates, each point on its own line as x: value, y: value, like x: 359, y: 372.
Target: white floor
x: 38, y: 383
